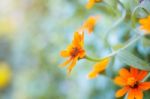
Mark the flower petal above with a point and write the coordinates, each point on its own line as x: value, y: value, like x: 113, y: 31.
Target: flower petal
x: 120, y: 81
x: 122, y: 91
x: 144, y: 85
x: 100, y: 66
x: 124, y: 73
x: 141, y: 75
x: 65, y: 63
x: 134, y: 71
x: 92, y: 75
x: 90, y: 4
x: 73, y: 63
x: 138, y: 94
x: 131, y: 94
x: 65, y: 53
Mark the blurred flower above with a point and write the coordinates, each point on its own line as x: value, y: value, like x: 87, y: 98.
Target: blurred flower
x: 6, y: 26
x: 5, y: 75
x: 90, y: 23
x: 145, y: 24
x: 131, y: 81
x: 99, y: 67
x: 74, y: 51
x: 91, y: 3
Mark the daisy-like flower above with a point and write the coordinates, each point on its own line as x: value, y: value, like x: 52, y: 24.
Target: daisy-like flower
x: 132, y: 83
x: 90, y: 23
x: 91, y: 3
x: 74, y: 51
x: 98, y: 68
x: 145, y: 24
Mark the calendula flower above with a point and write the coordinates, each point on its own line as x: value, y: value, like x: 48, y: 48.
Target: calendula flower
x: 91, y: 3
x: 132, y: 83
x: 90, y: 23
x: 145, y: 24
x: 98, y: 68
x: 74, y: 51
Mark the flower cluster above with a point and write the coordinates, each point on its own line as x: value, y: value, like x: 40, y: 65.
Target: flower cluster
x: 132, y: 81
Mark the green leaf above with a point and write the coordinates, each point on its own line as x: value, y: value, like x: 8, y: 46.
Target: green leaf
x: 131, y: 60
x: 146, y: 42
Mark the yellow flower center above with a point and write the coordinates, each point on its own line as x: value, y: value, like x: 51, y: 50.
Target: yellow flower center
x: 132, y: 82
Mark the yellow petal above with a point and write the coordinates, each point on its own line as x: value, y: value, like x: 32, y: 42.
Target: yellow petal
x: 65, y: 53
x: 120, y: 81
x: 99, y: 67
x: 90, y: 4
x: 71, y: 66
x: 92, y: 75
x: 65, y: 63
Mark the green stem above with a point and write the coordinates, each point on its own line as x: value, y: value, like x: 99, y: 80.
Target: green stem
x: 92, y: 59
x: 123, y: 15
x: 134, y: 12
x: 115, y: 52
x: 146, y: 77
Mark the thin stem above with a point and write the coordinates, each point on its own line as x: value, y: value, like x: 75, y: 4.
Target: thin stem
x: 146, y: 77
x: 115, y: 52
x: 123, y: 15
x: 134, y: 12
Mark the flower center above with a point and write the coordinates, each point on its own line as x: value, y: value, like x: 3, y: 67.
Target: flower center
x: 75, y: 52
x: 132, y: 82
x: 98, y: 1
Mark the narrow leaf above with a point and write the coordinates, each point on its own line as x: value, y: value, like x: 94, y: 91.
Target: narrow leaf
x: 131, y: 60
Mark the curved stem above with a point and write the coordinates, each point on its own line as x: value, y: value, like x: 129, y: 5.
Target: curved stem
x: 134, y: 12
x: 116, y: 23
x: 129, y: 43
x: 148, y: 75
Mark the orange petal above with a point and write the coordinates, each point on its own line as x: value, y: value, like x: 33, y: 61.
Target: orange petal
x: 66, y: 62
x: 144, y: 85
x: 124, y: 73
x: 90, y: 4
x: 134, y: 71
x: 100, y: 66
x: 73, y: 63
x: 92, y: 75
x: 138, y: 94
x: 131, y: 94
x: 64, y: 53
x: 141, y: 75
x: 122, y: 91
x: 120, y: 81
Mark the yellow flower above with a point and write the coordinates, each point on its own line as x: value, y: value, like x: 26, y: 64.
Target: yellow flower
x: 90, y: 23
x: 145, y: 24
x: 5, y: 75
x: 91, y: 3
x: 99, y: 67
x: 132, y: 83
x: 7, y: 26
x: 74, y: 51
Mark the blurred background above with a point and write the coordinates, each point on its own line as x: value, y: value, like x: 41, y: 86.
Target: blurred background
x: 32, y: 34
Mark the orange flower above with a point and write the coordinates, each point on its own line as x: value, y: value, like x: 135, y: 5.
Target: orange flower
x: 99, y: 67
x: 91, y: 3
x: 90, y: 23
x: 132, y: 83
x: 74, y: 51
x: 145, y: 24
